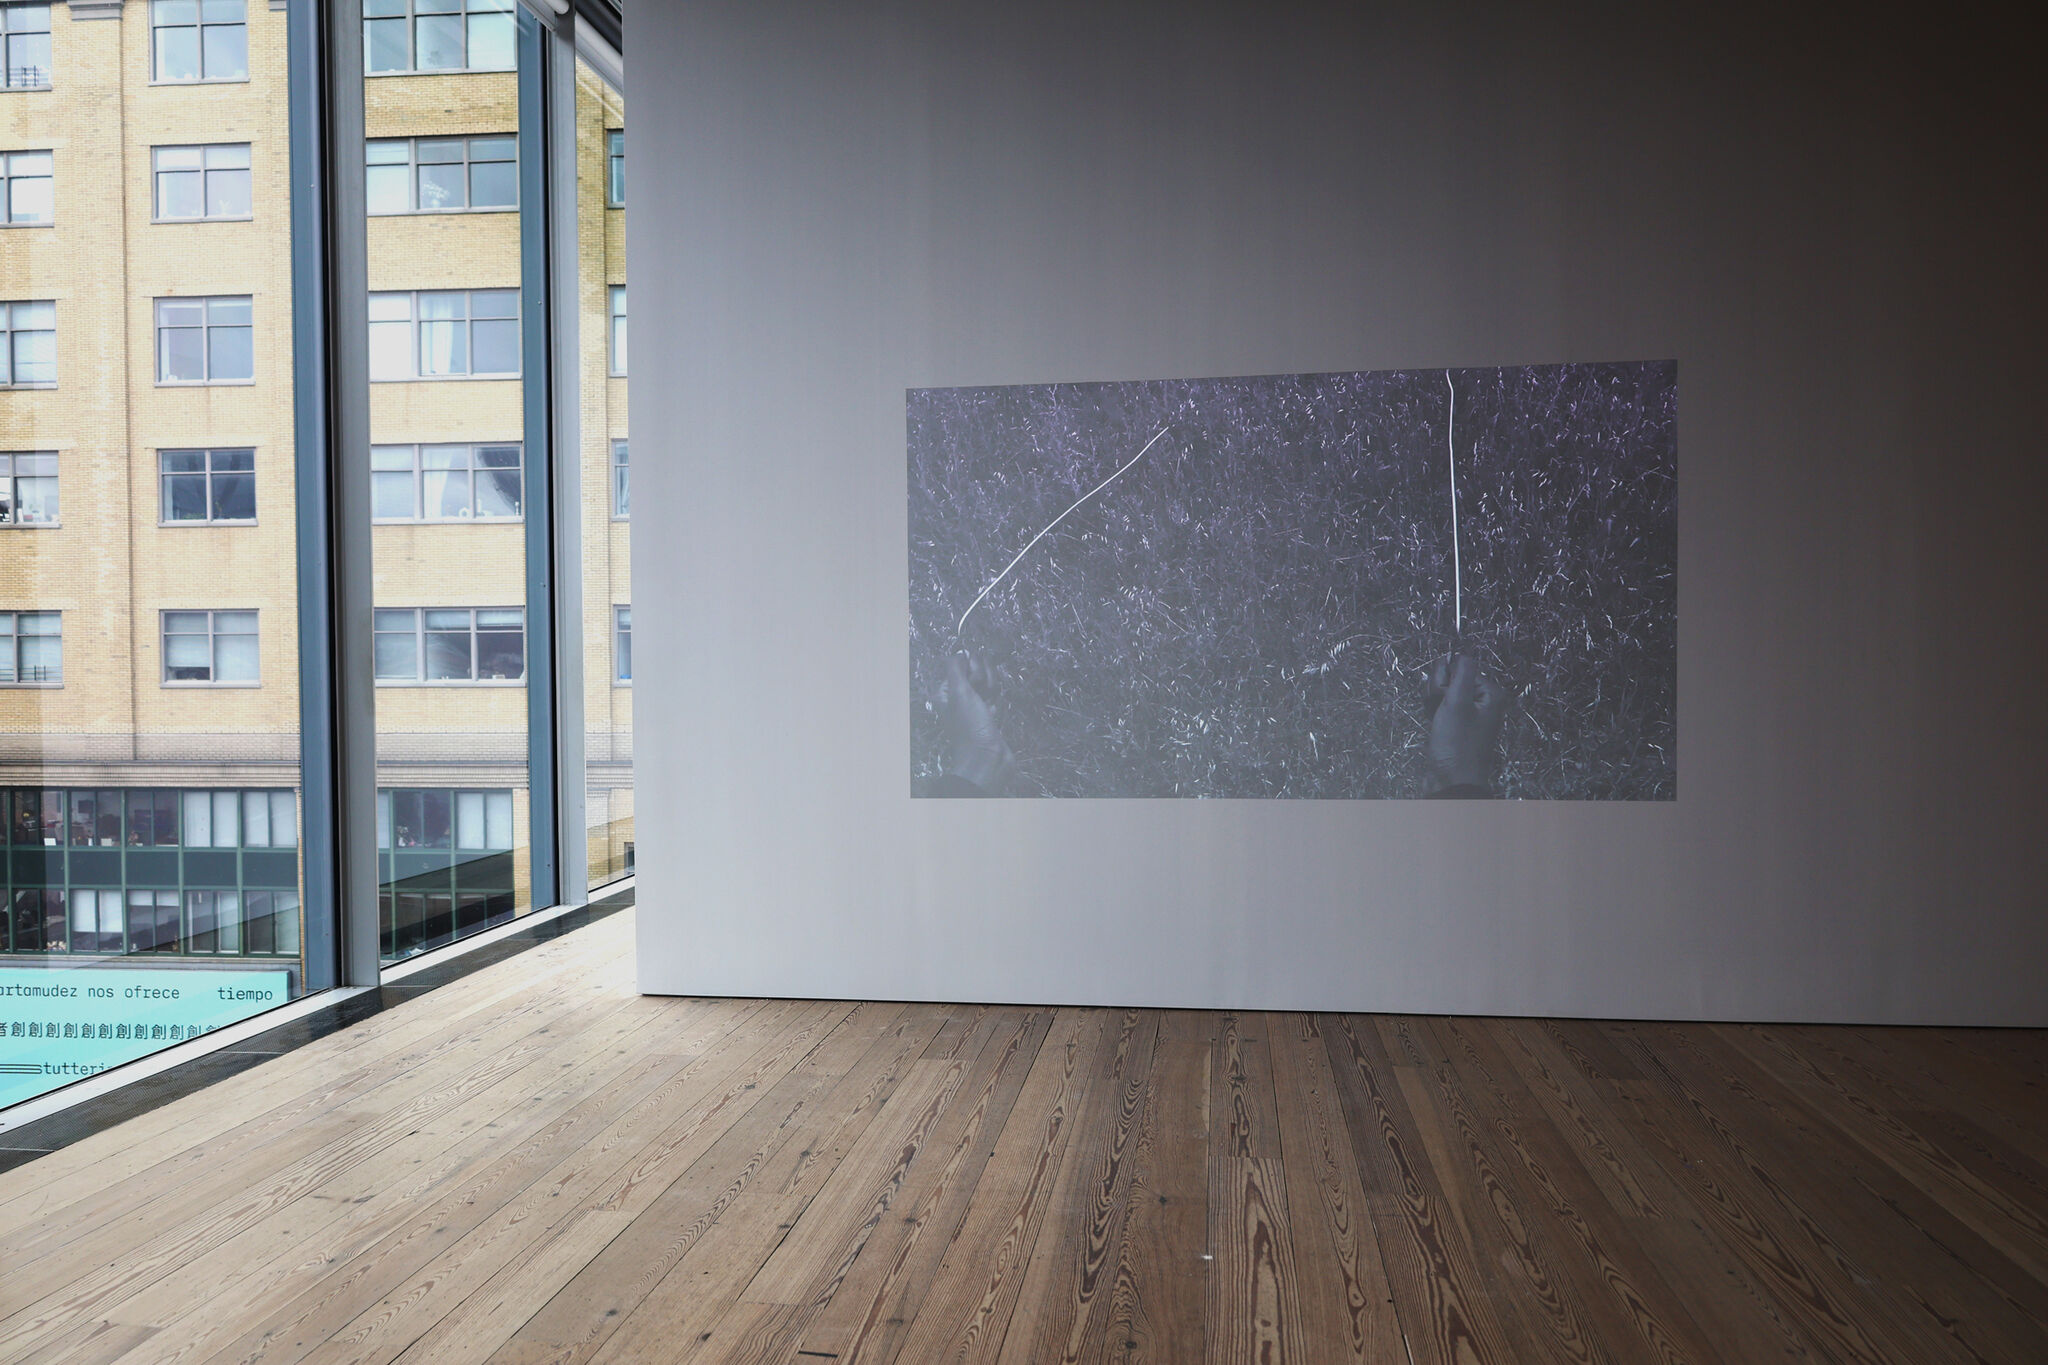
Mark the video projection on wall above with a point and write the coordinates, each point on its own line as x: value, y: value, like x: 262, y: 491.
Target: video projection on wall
x: 1379, y: 585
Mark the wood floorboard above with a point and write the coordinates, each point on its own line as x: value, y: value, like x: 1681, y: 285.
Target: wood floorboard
x: 533, y: 1165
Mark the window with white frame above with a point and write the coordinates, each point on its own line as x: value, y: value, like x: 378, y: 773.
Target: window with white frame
x: 196, y: 183
x: 24, y: 47
x: 31, y: 648
x: 213, y: 648
x: 199, y: 40
x: 28, y: 344
x: 622, y: 644
x: 207, y: 486
x: 450, y: 644
x: 28, y: 488
x: 618, y: 329
x: 25, y: 198
x: 622, y: 483
x: 205, y: 340
x: 412, y: 817
x: 615, y: 167
x: 401, y: 36
x: 239, y: 819
x: 444, y: 334
x: 445, y: 482
x: 442, y: 174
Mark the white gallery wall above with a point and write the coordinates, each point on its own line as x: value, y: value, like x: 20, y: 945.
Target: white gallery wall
x: 1830, y: 231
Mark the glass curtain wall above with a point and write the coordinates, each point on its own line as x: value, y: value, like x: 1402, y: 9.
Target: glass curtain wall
x: 606, y: 476
x: 447, y: 329
x: 150, y: 809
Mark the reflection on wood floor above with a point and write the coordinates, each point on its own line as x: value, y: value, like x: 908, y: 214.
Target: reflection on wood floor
x: 534, y: 1164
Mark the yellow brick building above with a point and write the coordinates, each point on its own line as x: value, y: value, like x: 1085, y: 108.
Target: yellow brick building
x: 123, y: 574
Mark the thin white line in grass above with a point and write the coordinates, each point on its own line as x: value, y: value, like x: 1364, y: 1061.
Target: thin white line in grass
x: 1054, y: 522
x: 1457, y: 573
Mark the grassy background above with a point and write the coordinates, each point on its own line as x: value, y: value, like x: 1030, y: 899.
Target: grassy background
x: 1251, y: 610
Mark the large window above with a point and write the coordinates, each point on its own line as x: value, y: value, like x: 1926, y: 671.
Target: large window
x: 205, y: 341
x: 440, y: 645
x: 445, y: 482
x: 618, y: 295
x: 442, y: 174
x: 31, y: 648
x: 28, y: 489
x: 444, y: 334
x: 199, y: 40
x: 210, y: 648
x: 25, y: 198
x: 28, y: 344
x: 202, y: 486
x: 24, y: 47
x: 194, y: 183
x: 402, y: 36
x: 615, y: 168
x: 622, y: 644
x: 445, y: 860
x: 622, y: 483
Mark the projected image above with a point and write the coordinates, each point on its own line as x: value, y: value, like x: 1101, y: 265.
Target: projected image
x: 1388, y: 585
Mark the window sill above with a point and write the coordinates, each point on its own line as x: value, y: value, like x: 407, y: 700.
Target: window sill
x: 203, y: 80
x: 500, y: 683
x: 448, y: 379
x: 210, y: 218
x: 436, y: 213
x: 32, y: 686
x: 41, y: 223
x: 27, y: 388
x: 212, y: 686
x: 447, y: 521
x: 446, y: 71
x: 205, y: 383
x: 197, y: 525
x: 31, y: 525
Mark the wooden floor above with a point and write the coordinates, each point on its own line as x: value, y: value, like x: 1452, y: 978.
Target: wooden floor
x: 534, y: 1164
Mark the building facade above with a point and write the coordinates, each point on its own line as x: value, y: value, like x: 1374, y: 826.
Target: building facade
x: 148, y: 632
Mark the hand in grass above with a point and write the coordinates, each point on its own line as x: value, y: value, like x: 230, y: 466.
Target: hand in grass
x: 975, y: 743
x: 1464, y: 727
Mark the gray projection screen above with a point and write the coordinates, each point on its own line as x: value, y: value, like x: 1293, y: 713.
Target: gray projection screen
x: 1388, y: 584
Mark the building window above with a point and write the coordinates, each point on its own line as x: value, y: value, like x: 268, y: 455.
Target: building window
x: 478, y: 821
x: 25, y: 199
x: 28, y: 489
x: 31, y: 649
x: 28, y: 344
x: 402, y: 36
x: 622, y: 643
x: 450, y: 644
x: 205, y: 341
x: 444, y: 334
x: 202, y: 486
x: 622, y: 483
x: 25, y: 47
x: 214, y: 648
x: 445, y: 483
x: 618, y: 329
x: 199, y: 40
x: 442, y: 174
x: 194, y: 183
x: 615, y: 167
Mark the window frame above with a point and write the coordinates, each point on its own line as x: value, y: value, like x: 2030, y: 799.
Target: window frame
x: 8, y: 179
x: 412, y: 164
x: 615, y: 332
x: 414, y: 322
x: 410, y: 16
x: 213, y: 637
x: 622, y: 481
x: 8, y: 333
x: 13, y: 635
x: 615, y: 168
x: 206, y: 329
x: 8, y: 35
x: 419, y: 635
x: 419, y: 471
x: 199, y: 25
x: 622, y: 644
x: 208, y: 473
x: 157, y: 172
x: 10, y: 488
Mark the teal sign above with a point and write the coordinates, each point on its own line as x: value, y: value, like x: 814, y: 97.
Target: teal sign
x: 59, y: 1026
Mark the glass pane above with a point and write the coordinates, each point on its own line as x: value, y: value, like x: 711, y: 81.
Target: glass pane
x: 384, y: 46
x: 183, y: 354
x: 234, y: 497
x: 177, y: 54
x: 231, y: 353
x: 179, y: 194
x: 607, y: 652
x: 441, y: 460
x: 185, y: 497
x: 227, y: 194
x: 227, y: 52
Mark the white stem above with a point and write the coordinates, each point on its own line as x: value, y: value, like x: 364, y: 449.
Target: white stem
x: 1054, y: 522
x: 1457, y: 572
